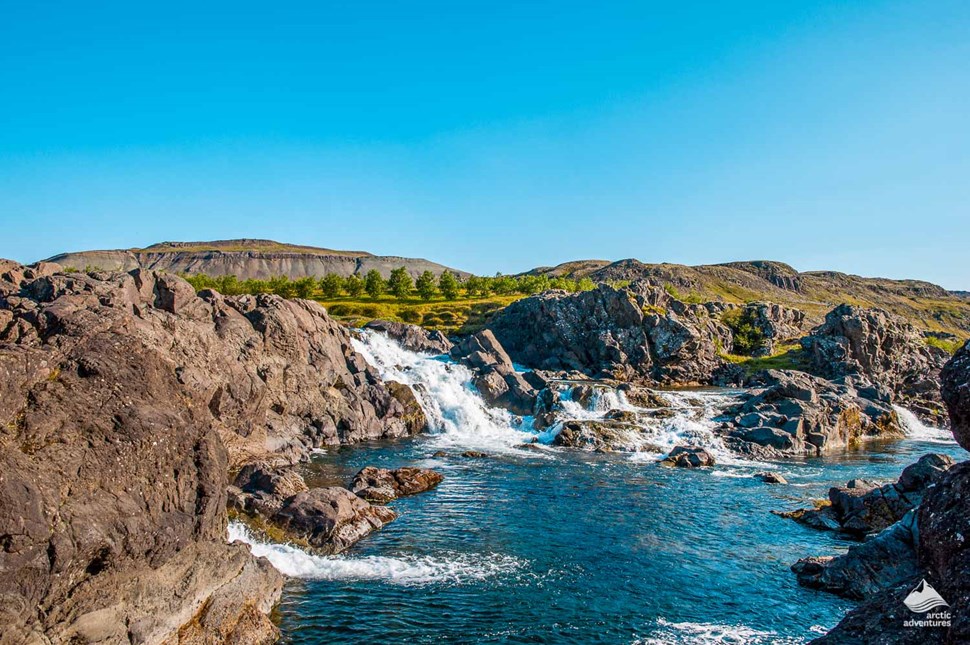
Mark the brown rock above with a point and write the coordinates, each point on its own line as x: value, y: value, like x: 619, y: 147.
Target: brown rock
x: 331, y: 519
x: 383, y: 485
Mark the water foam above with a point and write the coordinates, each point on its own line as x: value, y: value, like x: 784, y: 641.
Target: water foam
x: 406, y: 570
x: 916, y: 429
x: 688, y: 632
x: 457, y: 414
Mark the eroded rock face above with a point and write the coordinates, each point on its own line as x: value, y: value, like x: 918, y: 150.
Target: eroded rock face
x: 124, y: 400
x: 383, y: 485
x: 775, y: 323
x: 955, y: 389
x: 885, y: 349
x: 639, y: 332
x: 413, y: 337
x: 797, y: 414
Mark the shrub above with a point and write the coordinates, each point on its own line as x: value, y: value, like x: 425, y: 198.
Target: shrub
x: 304, y: 287
x: 747, y: 337
x: 426, y: 285
x: 400, y: 283
x: 374, y: 284
x: 449, y: 285
x: 331, y: 285
x: 354, y: 286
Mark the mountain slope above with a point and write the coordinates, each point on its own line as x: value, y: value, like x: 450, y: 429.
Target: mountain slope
x: 259, y: 259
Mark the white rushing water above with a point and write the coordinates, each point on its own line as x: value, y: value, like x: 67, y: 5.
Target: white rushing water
x: 459, y: 417
x: 916, y: 429
x: 416, y: 570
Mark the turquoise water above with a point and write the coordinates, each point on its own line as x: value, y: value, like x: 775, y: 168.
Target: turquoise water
x: 544, y: 545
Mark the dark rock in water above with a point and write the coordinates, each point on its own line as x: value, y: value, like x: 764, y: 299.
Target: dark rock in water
x: 885, y: 560
x: 440, y: 453
x: 383, y: 485
x: 796, y: 414
x: 602, y: 434
x: 413, y: 337
x: 769, y: 477
x: 125, y: 400
x: 955, y: 389
x: 862, y: 508
x: 639, y: 332
x: 495, y: 376
x: 643, y: 397
x: 688, y: 457
x: 883, y: 348
x: 474, y: 454
x: 331, y: 519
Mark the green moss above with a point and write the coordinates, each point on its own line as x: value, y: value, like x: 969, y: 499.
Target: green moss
x: 946, y: 344
x: 785, y: 357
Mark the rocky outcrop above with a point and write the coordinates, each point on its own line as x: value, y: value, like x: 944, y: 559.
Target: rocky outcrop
x: 636, y: 333
x: 883, y: 348
x: 602, y: 435
x: 382, y: 485
x: 413, y: 337
x: 495, y: 375
x: 861, y: 508
x: 124, y: 401
x: 688, y: 457
x: 773, y: 324
x: 942, y: 550
x: 795, y: 413
x: 883, y: 561
x: 330, y: 519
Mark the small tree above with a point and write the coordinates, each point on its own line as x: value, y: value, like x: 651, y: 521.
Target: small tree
x: 354, y: 286
x: 304, y: 287
x: 585, y: 284
x: 281, y: 286
x: 374, y: 284
x: 331, y: 285
x: 400, y: 283
x: 426, y: 285
x: 449, y: 285
x: 505, y: 285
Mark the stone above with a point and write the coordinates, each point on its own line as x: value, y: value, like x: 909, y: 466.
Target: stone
x: 770, y: 477
x: 495, y: 375
x: 688, y: 457
x: 381, y: 485
x: 330, y: 519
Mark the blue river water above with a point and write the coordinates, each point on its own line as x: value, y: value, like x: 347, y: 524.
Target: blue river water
x: 546, y: 545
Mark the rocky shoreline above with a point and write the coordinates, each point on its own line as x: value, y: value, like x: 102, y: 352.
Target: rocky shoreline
x: 137, y: 414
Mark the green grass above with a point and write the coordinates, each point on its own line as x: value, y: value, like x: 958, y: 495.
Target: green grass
x: 464, y: 315
x: 946, y: 344
x: 785, y: 357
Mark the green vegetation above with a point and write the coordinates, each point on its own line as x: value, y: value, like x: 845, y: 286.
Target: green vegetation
x: 691, y: 298
x: 747, y: 337
x: 949, y: 345
x: 785, y: 357
x: 446, y: 303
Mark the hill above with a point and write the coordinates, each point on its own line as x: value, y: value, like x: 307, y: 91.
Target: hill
x: 926, y: 305
x: 257, y: 259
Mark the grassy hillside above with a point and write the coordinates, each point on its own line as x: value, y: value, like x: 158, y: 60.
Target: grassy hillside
x: 925, y: 305
x: 465, y: 316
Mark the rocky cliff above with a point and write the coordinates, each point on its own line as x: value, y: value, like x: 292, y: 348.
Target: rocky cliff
x: 258, y: 259
x: 125, y: 400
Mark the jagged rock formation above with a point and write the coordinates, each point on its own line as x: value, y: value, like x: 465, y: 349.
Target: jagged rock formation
x: 942, y: 548
x: 259, y: 259
x: 495, y: 376
x: 638, y: 333
x: 124, y: 401
x: 796, y: 414
x: 882, y: 347
x: 413, y: 337
x: 773, y: 323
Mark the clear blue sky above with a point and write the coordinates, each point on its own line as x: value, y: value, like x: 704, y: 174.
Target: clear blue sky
x: 496, y: 135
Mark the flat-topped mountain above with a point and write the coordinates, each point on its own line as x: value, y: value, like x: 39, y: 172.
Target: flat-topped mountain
x: 926, y: 305
x: 245, y: 258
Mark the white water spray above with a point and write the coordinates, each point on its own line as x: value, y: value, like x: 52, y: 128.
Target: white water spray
x: 916, y: 429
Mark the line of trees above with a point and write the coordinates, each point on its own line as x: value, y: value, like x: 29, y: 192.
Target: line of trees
x: 400, y: 284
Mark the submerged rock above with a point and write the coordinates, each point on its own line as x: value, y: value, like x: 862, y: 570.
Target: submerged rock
x: 769, y: 477
x: 688, y: 457
x: 384, y: 485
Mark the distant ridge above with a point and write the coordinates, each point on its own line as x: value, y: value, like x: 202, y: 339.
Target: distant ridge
x: 246, y: 258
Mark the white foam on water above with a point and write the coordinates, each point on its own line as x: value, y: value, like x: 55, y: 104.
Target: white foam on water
x: 703, y: 633
x: 457, y: 415
x: 916, y: 429
x: 406, y: 570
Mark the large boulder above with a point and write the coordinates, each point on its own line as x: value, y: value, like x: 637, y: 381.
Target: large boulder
x: 413, y: 337
x: 639, y: 332
x: 495, y: 375
x: 125, y: 399
x: 330, y: 519
x: 688, y: 457
x: 795, y: 413
x: 882, y: 347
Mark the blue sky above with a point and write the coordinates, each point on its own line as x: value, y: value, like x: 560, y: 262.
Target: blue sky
x: 496, y: 136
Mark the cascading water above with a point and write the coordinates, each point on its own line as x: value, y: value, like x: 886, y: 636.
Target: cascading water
x: 916, y: 429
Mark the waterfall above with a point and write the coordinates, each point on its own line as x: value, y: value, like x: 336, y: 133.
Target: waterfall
x: 916, y: 429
